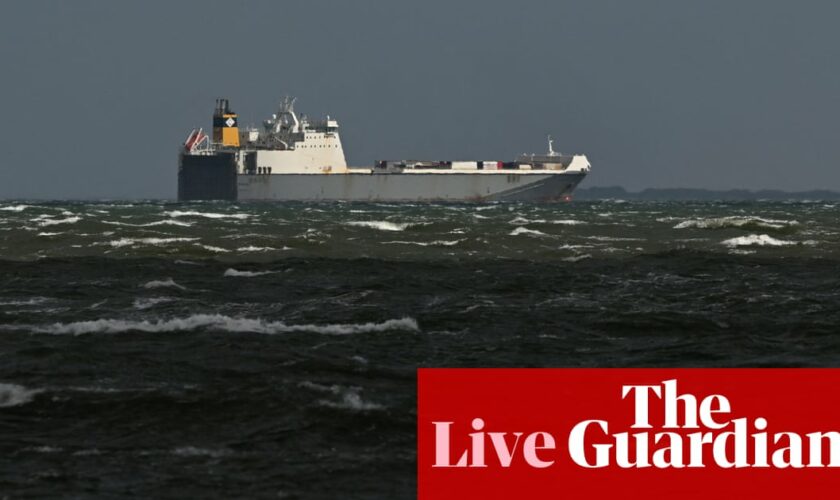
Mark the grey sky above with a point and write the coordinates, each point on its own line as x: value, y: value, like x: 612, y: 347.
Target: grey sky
x: 97, y: 96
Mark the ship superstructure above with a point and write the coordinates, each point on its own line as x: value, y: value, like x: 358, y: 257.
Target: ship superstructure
x: 293, y: 158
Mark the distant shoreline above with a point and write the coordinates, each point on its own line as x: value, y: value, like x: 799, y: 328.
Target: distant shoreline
x: 681, y: 194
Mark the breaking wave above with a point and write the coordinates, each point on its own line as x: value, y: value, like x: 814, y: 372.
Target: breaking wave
x: 246, y: 274
x: 381, y: 225
x: 738, y: 222
x: 163, y: 284
x: 148, y: 303
x: 436, y: 243
x: 577, y: 258
x: 524, y: 230
x: 351, y: 400
x: 168, y: 222
x: 218, y: 322
x: 124, y: 242
x: 612, y: 238
x: 348, y: 397
x: 519, y: 221
x: 761, y: 240
x: 54, y: 222
x: 213, y: 249
x: 252, y: 248
x: 208, y: 215
x: 15, y: 208
x: 16, y: 395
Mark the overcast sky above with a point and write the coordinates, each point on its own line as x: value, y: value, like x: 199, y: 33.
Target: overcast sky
x: 98, y: 96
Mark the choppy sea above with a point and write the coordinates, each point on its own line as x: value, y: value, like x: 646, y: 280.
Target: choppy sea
x: 154, y: 349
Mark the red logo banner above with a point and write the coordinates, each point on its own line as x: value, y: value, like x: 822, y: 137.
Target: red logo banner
x: 628, y: 433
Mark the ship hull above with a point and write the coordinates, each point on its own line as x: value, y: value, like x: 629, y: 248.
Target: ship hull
x: 408, y: 187
x: 215, y: 177
x: 207, y: 177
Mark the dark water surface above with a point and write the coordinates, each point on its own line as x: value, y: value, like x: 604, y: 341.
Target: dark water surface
x: 269, y: 351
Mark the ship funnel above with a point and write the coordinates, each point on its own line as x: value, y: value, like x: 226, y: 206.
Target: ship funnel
x: 225, y: 125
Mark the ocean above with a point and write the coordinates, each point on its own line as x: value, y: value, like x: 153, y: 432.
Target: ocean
x: 212, y: 350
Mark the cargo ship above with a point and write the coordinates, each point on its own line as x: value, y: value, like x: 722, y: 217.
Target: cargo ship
x: 294, y: 159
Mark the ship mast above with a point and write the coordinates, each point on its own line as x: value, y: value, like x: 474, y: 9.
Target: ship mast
x: 551, y: 151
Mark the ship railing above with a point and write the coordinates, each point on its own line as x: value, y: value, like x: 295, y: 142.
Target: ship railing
x: 208, y: 149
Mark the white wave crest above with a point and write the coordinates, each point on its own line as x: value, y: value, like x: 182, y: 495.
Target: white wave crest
x: 54, y: 222
x: 15, y: 208
x: 16, y: 395
x: 578, y: 258
x: 381, y: 225
x: 211, y: 248
x: 736, y: 222
x: 44, y: 449
x: 169, y: 282
x: 252, y: 248
x: 28, y: 302
x: 44, y: 233
x: 246, y: 274
x: 218, y: 322
x: 168, y: 222
x: 612, y: 238
x: 208, y: 215
x: 568, y: 222
x: 148, y: 303
x: 435, y: 243
x: 760, y: 240
x: 349, y: 397
x: 520, y: 221
x: 524, y: 230
x: 124, y: 242
x: 351, y: 400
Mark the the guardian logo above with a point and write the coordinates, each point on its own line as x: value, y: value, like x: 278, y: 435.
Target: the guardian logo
x: 689, y: 432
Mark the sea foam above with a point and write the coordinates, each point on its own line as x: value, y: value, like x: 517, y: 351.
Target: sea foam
x: 16, y: 395
x: 218, y: 322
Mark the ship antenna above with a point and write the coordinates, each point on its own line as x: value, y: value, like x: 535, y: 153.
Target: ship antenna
x: 551, y: 151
